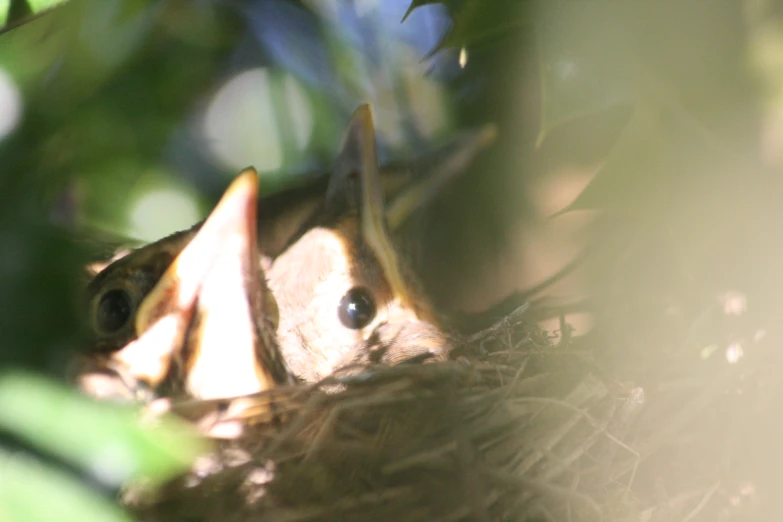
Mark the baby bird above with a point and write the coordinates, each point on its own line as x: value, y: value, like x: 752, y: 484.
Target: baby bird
x: 344, y: 294
x: 190, y: 314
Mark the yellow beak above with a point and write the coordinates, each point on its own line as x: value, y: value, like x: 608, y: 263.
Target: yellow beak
x: 208, y: 325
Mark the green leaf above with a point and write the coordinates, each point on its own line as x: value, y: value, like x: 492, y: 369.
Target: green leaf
x: 30, y: 49
x: 77, y: 47
x: 451, y: 5
x: 107, y: 439
x: 32, y: 492
x: 5, y: 5
x: 478, y: 22
x: 414, y: 5
x: 36, y: 6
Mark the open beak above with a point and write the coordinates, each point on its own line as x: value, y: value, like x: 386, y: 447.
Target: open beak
x: 208, y: 325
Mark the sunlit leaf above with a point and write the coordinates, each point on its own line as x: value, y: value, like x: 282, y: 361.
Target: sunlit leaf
x: 298, y: 44
x: 76, y: 47
x: 106, y: 439
x: 32, y: 492
x: 36, y: 6
x: 5, y: 5
x: 36, y: 9
x: 30, y: 49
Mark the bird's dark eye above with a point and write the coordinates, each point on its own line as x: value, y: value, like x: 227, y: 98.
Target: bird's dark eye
x: 357, y: 308
x: 114, y: 310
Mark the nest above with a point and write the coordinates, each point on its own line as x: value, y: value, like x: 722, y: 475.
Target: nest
x: 515, y: 428
x: 512, y: 426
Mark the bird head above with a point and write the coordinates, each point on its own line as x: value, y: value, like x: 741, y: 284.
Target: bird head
x: 192, y: 313
x: 343, y: 290
x: 189, y: 314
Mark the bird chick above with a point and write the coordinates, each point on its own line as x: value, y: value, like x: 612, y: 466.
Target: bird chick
x: 190, y: 314
x: 345, y: 296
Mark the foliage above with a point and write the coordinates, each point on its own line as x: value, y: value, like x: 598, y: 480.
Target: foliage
x: 35, y: 7
x: 664, y: 103
x: 108, y: 441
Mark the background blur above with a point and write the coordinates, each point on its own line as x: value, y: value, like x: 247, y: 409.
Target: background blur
x: 644, y: 138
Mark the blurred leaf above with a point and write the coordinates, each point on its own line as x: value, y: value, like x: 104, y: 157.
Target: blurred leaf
x: 5, y: 6
x: 14, y: 14
x: 478, y: 22
x: 63, y: 56
x: 36, y: 6
x: 30, y: 50
x: 414, y: 5
x: 106, y: 439
x: 32, y: 492
x: 113, y: 30
x: 294, y: 38
x: 654, y: 161
x: 39, y: 273
x: 419, y: 3
x: 586, y: 65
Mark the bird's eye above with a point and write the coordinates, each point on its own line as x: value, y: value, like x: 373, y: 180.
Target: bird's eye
x: 357, y: 308
x: 114, y: 310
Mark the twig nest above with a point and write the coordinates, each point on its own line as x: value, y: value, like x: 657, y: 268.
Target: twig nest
x: 516, y: 428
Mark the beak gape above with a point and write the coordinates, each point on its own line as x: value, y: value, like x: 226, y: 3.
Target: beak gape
x: 207, y: 327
